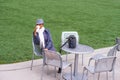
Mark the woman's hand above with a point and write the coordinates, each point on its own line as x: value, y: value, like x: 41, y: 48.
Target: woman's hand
x: 36, y: 29
x: 45, y: 49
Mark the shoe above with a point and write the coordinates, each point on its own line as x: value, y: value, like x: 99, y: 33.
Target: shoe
x: 59, y: 70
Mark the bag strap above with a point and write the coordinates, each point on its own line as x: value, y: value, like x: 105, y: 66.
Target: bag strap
x: 63, y: 45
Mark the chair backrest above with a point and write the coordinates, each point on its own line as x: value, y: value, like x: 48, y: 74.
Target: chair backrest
x: 66, y: 34
x: 52, y: 58
x: 117, y: 41
x: 36, y: 49
x: 105, y: 64
x: 118, y: 47
x: 113, y: 51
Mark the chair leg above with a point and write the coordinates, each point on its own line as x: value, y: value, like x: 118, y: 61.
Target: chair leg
x: 83, y: 75
x: 55, y: 72
x: 93, y: 76
x: 47, y: 69
x: 32, y: 61
x: 71, y: 71
x: 42, y: 72
x: 106, y: 75
x: 61, y: 75
x: 98, y: 76
x: 87, y: 74
x: 113, y: 72
x: 67, y: 57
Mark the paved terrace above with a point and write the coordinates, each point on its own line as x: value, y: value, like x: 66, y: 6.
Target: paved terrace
x: 21, y: 71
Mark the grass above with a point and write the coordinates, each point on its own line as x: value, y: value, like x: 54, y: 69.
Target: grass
x: 97, y: 23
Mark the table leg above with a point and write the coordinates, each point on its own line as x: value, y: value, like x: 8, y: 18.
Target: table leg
x: 76, y: 65
x: 76, y: 75
x: 82, y: 59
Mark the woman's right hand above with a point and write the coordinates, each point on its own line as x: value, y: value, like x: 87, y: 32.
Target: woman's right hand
x: 36, y: 29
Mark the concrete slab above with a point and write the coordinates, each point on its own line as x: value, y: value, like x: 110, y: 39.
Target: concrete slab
x: 21, y: 71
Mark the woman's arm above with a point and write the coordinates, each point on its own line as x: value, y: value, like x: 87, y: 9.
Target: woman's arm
x: 49, y: 43
x: 35, y: 30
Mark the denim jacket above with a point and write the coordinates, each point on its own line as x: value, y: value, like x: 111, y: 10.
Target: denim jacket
x: 48, y: 40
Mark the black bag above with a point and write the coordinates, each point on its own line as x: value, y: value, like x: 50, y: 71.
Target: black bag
x: 71, y: 41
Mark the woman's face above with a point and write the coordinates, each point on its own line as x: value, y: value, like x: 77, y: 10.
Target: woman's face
x: 41, y: 25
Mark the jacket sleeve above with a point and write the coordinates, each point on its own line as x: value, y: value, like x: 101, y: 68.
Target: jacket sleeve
x: 36, y: 39
x: 49, y: 42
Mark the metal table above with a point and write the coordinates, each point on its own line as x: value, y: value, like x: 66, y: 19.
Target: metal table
x: 80, y: 49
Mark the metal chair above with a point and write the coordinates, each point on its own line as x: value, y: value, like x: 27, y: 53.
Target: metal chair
x: 36, y: 51
x: 112, y: 52
x: 54, y: 59
x: 105, y: 64
x: 65, y: 35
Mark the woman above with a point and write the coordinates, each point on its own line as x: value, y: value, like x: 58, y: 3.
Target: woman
x: 42, y: 36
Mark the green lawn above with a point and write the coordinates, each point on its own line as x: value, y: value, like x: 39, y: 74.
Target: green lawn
x: 96, y: 21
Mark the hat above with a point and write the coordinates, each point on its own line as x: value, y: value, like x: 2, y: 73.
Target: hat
x: 40, y: 21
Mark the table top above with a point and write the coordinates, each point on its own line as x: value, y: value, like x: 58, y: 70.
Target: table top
x: 80, y: 49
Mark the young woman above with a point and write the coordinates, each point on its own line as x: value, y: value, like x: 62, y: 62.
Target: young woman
x: 42, y: 36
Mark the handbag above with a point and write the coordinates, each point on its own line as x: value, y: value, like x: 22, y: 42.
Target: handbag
x: 72, y: 41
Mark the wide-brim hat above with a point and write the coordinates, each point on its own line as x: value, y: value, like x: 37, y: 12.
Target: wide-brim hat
x: 39, y: 21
